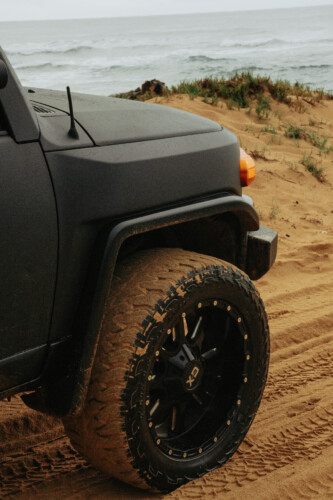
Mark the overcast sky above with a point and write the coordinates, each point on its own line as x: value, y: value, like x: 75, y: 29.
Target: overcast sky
x: 17, y: 10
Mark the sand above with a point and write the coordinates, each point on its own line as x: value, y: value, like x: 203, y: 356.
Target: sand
x: 288, y: 451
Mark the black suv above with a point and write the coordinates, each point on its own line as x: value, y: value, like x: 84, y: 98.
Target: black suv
x: 125, y: 302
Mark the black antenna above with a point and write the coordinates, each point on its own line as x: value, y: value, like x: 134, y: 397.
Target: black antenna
x: 72, y: 131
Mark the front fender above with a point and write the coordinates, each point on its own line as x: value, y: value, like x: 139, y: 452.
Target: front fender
x: 239, y: 206
x: 66, y: 394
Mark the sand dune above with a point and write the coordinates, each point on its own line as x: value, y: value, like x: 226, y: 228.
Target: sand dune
x: 288, y: 452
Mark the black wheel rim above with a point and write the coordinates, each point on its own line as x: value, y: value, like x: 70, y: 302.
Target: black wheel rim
x: 197, y: 378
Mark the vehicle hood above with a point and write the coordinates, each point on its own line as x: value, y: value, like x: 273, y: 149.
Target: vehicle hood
x: 109, y: 120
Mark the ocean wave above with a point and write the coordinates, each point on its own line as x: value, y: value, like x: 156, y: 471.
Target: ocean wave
x: 92, y: 69
x: 273, y: 42
x: 252, y: 69
x: 201, y: 58
x: 47, y: 65
x: 258, y: 43
x: 38, y: 52
x: 321, y: 40
x: 311, y: 66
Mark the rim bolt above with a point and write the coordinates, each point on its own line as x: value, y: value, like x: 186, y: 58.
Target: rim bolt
x: 149, y: 377
x: 150, y: 424
x: 184, y: 455
x: 239, y: 402
x: 215, y: 439
x: 158, y: 442
x: 239, y: 320
x: 170, y: 452
x: 248, y: 357
x: 245, y: 380
x: 157, y: 353
x: 200, y: 450
x: 169, y: 331
x: 246, y: 336
x: 199, y: 305
x: 229, y: 308
x: 228, y: 422
x: 147, y: 402
x: 215, y: 303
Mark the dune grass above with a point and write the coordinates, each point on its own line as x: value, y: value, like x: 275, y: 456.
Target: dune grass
x: 311, y: 166
x: 242, y: 87
x: 241, y: 90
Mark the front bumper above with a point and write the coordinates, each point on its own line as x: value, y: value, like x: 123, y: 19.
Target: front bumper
x: 261, y: 251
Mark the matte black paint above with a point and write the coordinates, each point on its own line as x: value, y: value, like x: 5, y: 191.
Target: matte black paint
x: 54, y: 133
x: 115, y: 121
x: 96, y: 186
x: 261, y: 251
x: 28, y: 250
x: 17, y: 108
x: 3, y: 75
x: 19, y: 368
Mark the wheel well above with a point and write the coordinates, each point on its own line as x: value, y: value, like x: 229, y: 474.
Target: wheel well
x: 218, y: 236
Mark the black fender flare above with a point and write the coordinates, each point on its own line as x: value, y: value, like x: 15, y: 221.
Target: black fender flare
x: 66, y: 394
x: 242, y: 207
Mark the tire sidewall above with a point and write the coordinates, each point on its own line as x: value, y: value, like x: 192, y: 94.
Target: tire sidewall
x: 228, y: 285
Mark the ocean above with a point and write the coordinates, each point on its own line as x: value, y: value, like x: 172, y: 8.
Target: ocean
x: 106, y: 56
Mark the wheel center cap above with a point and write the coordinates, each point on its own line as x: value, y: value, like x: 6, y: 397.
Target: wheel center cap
x: 192, y: 375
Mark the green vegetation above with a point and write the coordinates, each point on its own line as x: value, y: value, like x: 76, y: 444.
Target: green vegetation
x: 295, y: 132
x: 312, y: 166
x: 269, y: 129
x: 189, y: 88
x: 274, y: 210
x: 320, y: 143
x: 280, y: 90
x: 263, y: 108
x: 240, y: 90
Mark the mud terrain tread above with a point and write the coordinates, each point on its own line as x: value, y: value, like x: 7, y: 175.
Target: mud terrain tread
x: 139, y: 283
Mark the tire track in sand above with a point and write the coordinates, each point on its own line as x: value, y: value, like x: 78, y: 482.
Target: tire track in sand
x: 289, y: 444
x: 46, y: 458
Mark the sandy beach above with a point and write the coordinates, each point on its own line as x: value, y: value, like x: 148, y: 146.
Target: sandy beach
x: 288, y: 452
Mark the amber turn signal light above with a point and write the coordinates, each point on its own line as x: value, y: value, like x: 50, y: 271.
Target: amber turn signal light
x: 247, y: 168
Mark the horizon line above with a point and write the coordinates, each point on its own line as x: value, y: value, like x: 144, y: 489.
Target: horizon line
x: 167, y: 15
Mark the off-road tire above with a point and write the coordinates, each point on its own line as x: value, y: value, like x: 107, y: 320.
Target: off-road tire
x: 150, y: 293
